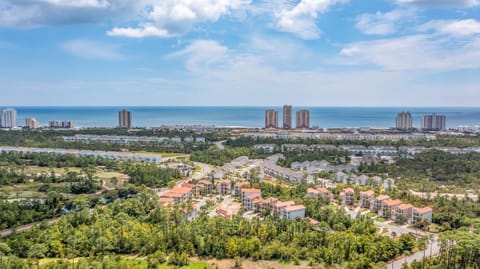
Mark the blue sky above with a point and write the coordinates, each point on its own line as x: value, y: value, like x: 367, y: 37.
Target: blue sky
x: 240, y: 52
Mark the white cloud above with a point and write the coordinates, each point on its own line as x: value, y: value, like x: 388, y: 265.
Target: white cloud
x: 440, y: 3
x: 382, y: 23
x: 174, y: 17
x: 427, y: 52
x: 78, y: 3
x: 145, y: 31
x: 202, y: 54
x: 92, y: 50
x: 301, y: 18
x: 456, y: 28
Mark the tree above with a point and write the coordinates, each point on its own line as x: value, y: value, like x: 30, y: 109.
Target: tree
x: 4, y: 250
x: 37, y: 252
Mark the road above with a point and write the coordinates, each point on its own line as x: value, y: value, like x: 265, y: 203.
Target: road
x: 448, y: 195
x: 227, y: 200
x: 25, y: 227
x: 219, y: 144
x: 432, y: 250
x: 205, y: 171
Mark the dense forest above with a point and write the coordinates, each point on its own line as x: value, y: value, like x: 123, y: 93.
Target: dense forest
x: 333, y: 156
x: 435, y: 164
x: 138, y: 226
x: 216, y: 156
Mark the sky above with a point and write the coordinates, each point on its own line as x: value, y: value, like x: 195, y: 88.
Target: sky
x: 240, y: 52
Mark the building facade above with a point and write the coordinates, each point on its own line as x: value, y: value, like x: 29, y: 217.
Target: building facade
x: 271, y: 118
x: 125, y: 119
x: 404, y: 121
x: 287, y: 117
x: 434, y: 122
x: 303, y: 119
x: 8, y: 118
x: 31, y: 123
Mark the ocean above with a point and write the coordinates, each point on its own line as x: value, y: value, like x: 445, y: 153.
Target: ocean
x: 323, y: 117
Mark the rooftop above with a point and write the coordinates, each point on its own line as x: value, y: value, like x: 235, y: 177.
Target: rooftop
x: 393, y: 202
x: 368, y: 193
x: 251, y: 190
x: 295, y: 207
x: 382, y: 197
x: 348, y: 190
x: 405, y: 206
x: 422, y: 210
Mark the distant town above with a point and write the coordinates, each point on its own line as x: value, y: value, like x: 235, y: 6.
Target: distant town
x: 403, y: 122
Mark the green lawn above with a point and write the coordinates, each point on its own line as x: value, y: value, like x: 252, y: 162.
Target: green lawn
x: 371, y: 215
x: 380, y: 219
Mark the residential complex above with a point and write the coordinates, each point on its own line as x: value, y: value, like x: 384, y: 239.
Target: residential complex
x: 271, y: 119
x: 434, y: 122
x: 303, y: 119
x: 287, y: 117
x: 125, y: 119
x: 8, y: 118
x: 32, y: 123
x: 404, y: 121
x: 114, y: 155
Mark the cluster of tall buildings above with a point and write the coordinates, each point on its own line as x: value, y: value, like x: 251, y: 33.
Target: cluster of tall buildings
x: 8, y: 118
x: 302, y: 118
x: 56, y: 124
x: 431, y: 122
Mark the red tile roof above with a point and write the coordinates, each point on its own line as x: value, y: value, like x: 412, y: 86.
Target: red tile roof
x: 295, y: 207
x: 368, y: 193
x: 422, y: 210
x: 405, y: 206
x: 392, y: 202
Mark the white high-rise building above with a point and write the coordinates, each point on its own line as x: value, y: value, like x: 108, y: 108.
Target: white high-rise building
x: 404, y: 121
x: 8, y: 118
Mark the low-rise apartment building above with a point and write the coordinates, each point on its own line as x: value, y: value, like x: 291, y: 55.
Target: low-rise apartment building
x: 367, y: 198
x: 347, y: 196
x: 389, y: 208
x: 224, y: 187
x: 419, y: 214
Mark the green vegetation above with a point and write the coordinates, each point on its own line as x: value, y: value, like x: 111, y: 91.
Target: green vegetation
x: 460, y: 249
x: 137, y: 226
x: 441, y: 141
x: 54, y: 139
x: 333, y: 156
x: 460, y: 169
x: 52, y: 194
x: 217, y: 156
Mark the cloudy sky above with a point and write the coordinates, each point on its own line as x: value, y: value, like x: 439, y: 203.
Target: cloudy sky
x: 240, y: 52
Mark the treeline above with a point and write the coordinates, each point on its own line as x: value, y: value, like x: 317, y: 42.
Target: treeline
x: 435, y: 165
x: 137, y: 226
x: 441, y: 141
x: 333, y: 156
x: 216, y: 156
